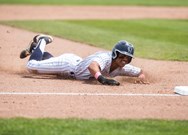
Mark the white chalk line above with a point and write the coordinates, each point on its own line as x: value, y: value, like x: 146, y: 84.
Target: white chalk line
x: 87, y: 94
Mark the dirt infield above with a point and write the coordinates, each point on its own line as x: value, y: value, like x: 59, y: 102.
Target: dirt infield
x: 163, y: 75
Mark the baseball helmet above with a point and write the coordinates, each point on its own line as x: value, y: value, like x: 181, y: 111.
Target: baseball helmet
x: 123, y: 47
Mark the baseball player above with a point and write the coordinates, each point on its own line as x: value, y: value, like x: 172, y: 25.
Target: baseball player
x: 102, y: 66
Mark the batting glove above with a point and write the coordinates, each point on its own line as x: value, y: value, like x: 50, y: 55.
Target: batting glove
x: 106, y: 81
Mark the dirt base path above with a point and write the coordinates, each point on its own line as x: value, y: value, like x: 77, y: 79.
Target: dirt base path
x: 163, y: 75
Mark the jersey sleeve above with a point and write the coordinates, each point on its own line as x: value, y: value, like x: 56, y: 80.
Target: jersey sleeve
x: 101, y: 62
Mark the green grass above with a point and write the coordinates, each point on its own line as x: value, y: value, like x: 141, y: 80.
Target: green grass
x: 100, y: 2
x: 23, y: 126
x: 153, y: 39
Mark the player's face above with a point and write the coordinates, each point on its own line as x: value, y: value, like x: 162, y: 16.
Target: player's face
x: 122, y: 60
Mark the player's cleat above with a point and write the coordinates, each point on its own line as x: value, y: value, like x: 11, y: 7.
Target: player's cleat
x: 28, y: 50
x: 47, y: 38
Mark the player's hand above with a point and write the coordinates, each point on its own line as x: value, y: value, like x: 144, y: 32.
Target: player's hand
x: 142, y: 79
x: 106, y: 81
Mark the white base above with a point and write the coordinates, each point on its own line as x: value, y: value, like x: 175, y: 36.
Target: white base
x: 182, y: 90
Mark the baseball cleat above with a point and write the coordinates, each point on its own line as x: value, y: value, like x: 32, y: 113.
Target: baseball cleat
x: 28, y: 50
x: 47, y: 38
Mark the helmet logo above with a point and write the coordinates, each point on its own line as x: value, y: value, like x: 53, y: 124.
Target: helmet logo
x: 130, y: 49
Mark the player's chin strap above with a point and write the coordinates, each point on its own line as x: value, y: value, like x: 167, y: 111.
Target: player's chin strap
x: 105, y: 81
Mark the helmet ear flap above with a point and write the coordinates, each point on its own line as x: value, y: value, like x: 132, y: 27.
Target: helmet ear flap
x: 114, y: 54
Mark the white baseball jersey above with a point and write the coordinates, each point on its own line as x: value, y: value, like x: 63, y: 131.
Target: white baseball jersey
x: 74, y: 66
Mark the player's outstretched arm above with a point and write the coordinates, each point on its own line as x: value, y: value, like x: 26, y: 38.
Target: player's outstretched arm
x: 94, y: 69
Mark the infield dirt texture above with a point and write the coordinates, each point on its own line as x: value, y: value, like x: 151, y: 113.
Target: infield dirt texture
x: 163, y: 75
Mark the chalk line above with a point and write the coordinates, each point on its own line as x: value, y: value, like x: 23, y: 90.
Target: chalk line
x: 87, y: 94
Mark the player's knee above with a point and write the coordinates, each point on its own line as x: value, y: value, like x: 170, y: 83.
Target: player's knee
x: 32, y: 66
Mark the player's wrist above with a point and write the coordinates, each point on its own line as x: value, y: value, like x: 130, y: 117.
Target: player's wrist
x: 97, y: 74
x: 100, y: 77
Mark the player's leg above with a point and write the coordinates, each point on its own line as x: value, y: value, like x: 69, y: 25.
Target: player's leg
x: 42, y: 41
x: 32, y: 45
x: 62, y: 65
x: 41, y: 61
x: 38, y: 51
x: 46, y: 55
x: 29, y: 49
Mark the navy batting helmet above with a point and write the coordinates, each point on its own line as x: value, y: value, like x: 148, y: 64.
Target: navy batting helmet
x: 123, y: 47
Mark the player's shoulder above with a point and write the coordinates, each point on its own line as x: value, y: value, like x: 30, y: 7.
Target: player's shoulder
x: 105, y: 56
x: 103, y: 53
